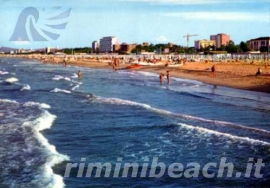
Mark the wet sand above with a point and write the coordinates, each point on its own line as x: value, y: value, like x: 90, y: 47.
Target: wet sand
x: 235, y: 74
x: 241, y: 76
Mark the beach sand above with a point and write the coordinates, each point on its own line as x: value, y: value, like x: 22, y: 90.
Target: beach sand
x: 241, y: 75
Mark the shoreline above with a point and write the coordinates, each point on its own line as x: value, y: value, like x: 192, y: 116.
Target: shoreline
x: 238, y: 75
x: 203, y: 74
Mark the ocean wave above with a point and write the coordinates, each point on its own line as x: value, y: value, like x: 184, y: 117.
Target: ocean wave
x: 8, y: 101
x: 3, y: 72
x: 149, y: 74
x: 59, y: 77
x: 74, y: 75
x: 205, y: 131
x: 75, y: 87
x: 237, y: 127
x: 40, y: 105
x: 45, y: 121
x: 56, y: 90
x: 27, y: 157
x: 26, y: 87
x: 11, y: 80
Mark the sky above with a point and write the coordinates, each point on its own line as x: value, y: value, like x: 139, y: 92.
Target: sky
x: 77, y: 23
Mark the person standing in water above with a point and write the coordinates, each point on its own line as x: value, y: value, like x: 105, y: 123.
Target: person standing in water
x: 161, y: 78
x: 168, y: 77
x: 79, y: 74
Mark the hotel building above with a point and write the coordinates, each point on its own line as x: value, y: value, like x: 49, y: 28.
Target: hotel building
x: 257, y: 44
x: 204, y: 44
x: 220, y: 39
x: 107, y: 43
x: 124, y: 47
x: 95, y: 46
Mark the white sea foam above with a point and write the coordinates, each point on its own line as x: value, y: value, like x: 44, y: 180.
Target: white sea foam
x: 35, y: 145
x: 76, y: 82
x: 67, y: 79
x: 45, y: 121
x: 59, y: 77
x: 233, y: 137
x: 75, y: 87
x: 120, y: 102
x: 11, y: 80
x: 148, y: 74
x: 8, y: 101
x: 56, y: 90
x: 3, y: 72
x: 40, y: 105
x: 74, y: 75
x: 26, y: 87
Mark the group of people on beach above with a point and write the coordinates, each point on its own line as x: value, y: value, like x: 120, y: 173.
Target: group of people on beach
x: 161, y: 77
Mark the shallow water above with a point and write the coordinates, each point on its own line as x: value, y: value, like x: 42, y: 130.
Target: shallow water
x: 50, y: 118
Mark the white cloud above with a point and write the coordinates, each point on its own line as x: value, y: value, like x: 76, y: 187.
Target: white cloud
x: 221, y: 16
x: 161, y: 39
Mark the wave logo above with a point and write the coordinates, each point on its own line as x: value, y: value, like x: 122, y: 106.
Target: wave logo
x: 33, y: 26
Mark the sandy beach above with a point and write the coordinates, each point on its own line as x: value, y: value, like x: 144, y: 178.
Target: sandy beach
x: 240, y: 76
x: 235, y: 74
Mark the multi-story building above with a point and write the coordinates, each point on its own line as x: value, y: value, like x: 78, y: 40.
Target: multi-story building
x: 258, y: 43
x: 107, y: 43
x: 221, y: 39
x: 95, y: 46
x: 199, y: 44
x: 124, y: 47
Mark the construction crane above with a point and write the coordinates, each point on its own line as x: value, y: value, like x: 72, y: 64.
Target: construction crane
x: 187, y: 36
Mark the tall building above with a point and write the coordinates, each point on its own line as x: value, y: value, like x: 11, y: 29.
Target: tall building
x: 204, y: 44
x: 48, y: 50
x: 221, y: 39
x: 95, y: 46
x: 106, y: 44
x: 258, y: 43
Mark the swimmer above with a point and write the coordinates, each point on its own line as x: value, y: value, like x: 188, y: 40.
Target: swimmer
x: 168, y: 77
x: 79, y: 74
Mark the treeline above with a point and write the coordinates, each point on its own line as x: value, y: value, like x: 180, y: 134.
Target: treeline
x: 161, y: 47
x: 230, y: 48
x: 86, y: 50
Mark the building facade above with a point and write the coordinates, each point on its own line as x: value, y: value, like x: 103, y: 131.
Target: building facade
x: 258, y: 43
x: 124, y: 47
x: 221, y: 39
x: 106, y: 44
x: 95, y: 46
x: 200, y: 44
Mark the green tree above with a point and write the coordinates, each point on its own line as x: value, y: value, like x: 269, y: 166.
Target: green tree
x: 232, y: 48
x: 244, y: 47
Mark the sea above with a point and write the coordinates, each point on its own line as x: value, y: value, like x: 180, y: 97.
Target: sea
x: 50, y: 121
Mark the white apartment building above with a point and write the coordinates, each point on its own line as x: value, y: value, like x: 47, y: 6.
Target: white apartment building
x: 106, y: 44
x: 95, y: 46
